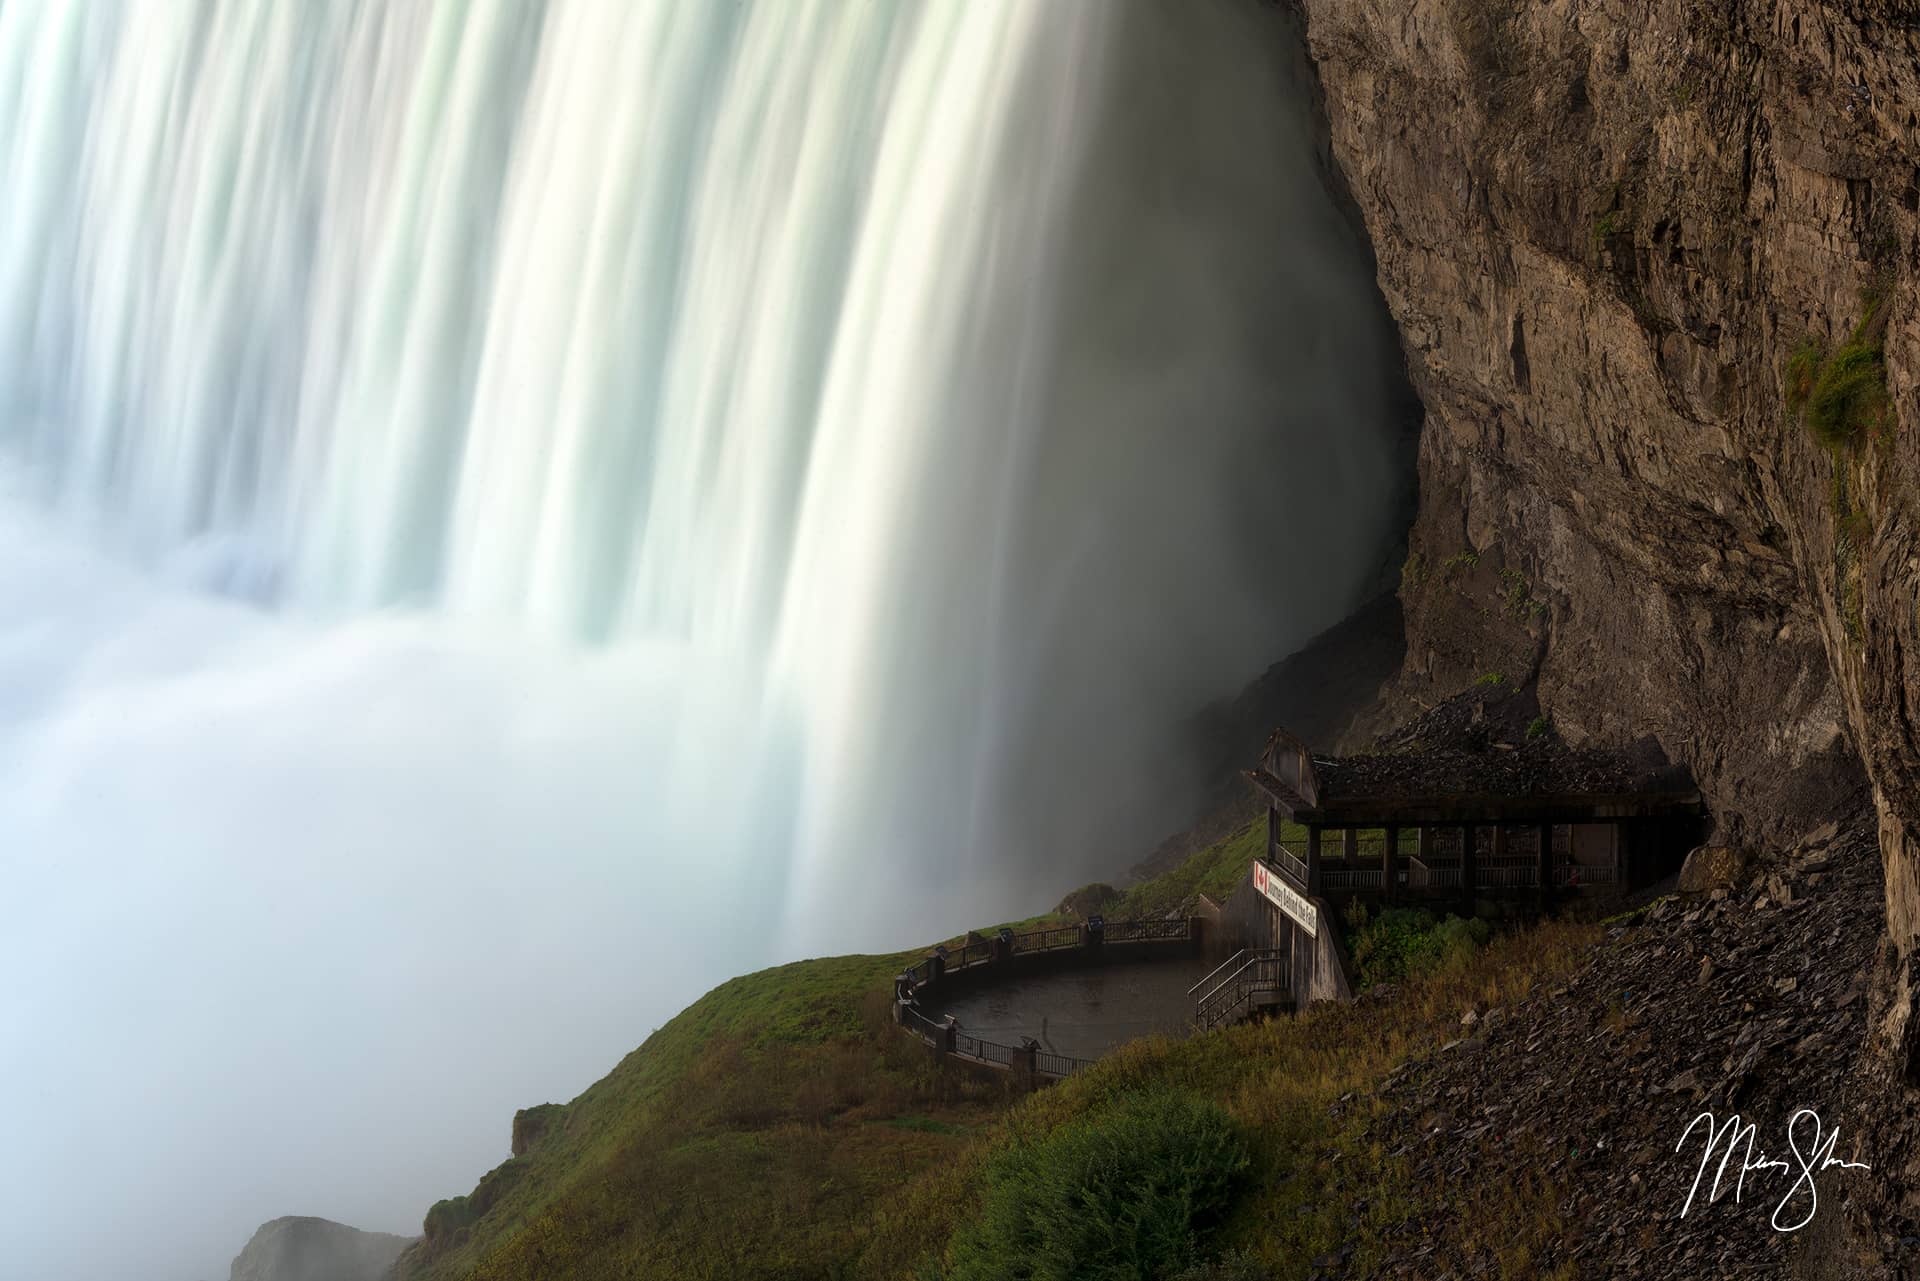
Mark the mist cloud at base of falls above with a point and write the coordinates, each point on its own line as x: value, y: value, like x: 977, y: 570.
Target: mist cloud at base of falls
x: 821, y: 563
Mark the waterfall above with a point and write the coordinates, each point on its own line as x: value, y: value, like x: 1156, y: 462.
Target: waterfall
x: 839, y: 442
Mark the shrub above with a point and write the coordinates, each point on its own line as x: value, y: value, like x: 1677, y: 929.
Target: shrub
x: 1803, y: 366
x: 1849, y: 396
x: 1537, y: 727
x: 1406, y: 942
x: 1841, y: 394
x: 1239, y: 1265
x: 1126, y: 1194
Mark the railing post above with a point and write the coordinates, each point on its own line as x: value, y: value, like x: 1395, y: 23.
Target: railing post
x: 1469, y: 872
x: 1546, y: 862
x: 1390, y: 865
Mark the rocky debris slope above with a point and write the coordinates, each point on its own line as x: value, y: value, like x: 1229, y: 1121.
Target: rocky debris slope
x: 1493, y: 742
x: 1571, y: 1104
x: 307, y: 1249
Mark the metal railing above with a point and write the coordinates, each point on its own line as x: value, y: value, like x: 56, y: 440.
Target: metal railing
x: 1350, y: 878
x: 1047, y: 1064
x: 949, y: 958
x: 1148, y: 931
x: 980, y: 1050
x: 958, y: 956
x: 1047, y: 940
x: 1292, y: 864
x: 1422, y: 876
x: 1231, y: 962
x: 1579, y: 874
x: 1267, y: 969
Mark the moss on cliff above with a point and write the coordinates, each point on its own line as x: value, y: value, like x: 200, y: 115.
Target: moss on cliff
x: 1841, y: 394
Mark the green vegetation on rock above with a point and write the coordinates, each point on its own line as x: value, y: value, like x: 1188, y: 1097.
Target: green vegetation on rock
x: 1132, y: 1190
x: 783, y: 1127
x: 1841, y: 394
x: 1407, y: 942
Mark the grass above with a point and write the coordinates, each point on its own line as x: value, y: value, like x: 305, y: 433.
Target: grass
x: 1213, y: 871
x: 1132, y: 1192
x: 1312, y: 1159
x: 1404, y: 942
x: 781, y: 1127
x: 1516, y: 596
x: 1840, y: 394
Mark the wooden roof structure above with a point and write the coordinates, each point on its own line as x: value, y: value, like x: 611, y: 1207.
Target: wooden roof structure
x: 1542, y: 782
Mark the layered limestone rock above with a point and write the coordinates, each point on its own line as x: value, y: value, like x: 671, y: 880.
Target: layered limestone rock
x: 1604, y: 227
x: 307, y: 1249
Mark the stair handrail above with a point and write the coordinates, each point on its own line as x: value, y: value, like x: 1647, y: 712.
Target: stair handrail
x: 1205, y: 1011
x: 1216, y: 970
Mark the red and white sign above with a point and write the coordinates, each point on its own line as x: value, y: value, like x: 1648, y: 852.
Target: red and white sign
x: 1285, y: 897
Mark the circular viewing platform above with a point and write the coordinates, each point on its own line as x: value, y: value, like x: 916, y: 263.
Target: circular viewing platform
x: 1045, y: 1003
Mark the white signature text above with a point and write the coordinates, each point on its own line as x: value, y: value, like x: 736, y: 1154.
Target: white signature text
x: 1811, y: 1154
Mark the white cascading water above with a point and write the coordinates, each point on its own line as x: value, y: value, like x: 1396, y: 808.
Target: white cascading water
x: 616, y: 492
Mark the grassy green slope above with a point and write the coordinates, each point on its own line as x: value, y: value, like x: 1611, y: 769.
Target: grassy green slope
x: 782, y: 1127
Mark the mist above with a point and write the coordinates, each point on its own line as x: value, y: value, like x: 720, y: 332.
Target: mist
x: 495, y: 543
x: 297, y: 916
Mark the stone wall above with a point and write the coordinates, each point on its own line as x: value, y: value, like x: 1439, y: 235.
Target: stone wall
x: 1602, y: 227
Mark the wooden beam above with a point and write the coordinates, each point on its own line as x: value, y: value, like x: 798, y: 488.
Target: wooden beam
x: 1483, y: 808
x: 1390, y: 863
x: 1469, y: 873
x: 1546, y: 860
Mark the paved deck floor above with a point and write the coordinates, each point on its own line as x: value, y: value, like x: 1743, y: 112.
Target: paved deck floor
x: 1085, y: 1013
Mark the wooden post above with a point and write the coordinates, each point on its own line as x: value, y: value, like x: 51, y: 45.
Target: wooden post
x: 1390, y: 864
x: 1273, y: 834
x: 1026, y: 1065
x: 1468, y: 872
x: 1350, y: 845
x: 1313, y: 858
x: 1546, y: 861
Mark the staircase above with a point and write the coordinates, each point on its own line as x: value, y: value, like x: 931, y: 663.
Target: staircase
x: 1250, y: 979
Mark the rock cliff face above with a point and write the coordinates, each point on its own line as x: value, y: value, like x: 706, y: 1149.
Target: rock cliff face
x: 1605, y: 229
x: 307, y: 1249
